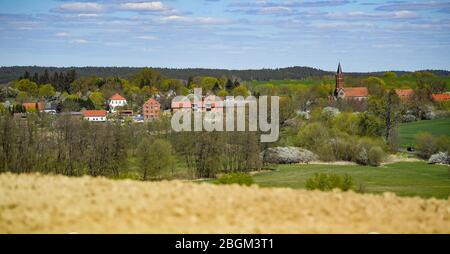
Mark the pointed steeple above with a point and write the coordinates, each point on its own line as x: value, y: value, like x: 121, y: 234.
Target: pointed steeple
x: 339, y: 70
x: 339, y: 80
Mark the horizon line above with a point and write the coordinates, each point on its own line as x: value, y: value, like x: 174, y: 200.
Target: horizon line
x: 225, y: 69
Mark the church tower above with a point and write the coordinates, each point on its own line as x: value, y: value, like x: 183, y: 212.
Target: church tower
x: 339, y: 80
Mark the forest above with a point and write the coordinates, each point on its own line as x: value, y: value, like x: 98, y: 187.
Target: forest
x: 14, y: 72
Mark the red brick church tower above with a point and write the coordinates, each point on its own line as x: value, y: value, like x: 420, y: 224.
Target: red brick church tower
x: 339, y: 80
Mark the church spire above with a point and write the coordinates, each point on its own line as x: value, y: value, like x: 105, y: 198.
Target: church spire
x: 339, y: 80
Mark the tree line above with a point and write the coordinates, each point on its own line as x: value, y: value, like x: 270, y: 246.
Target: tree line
x: 74, y: 147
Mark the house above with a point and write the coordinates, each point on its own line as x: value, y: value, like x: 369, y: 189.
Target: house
x: 94, y: 115
x: 440, y: 97
x: 34, y: 106
x: 151, y: 110
x: 348, y: 93
x: 195, y: 103
x: 116, y: 101
x: 405, y: 94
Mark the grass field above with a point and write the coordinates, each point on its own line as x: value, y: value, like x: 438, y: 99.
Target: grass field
x: 403, y: 178
x: 398, y: 82
x: 435, y: 127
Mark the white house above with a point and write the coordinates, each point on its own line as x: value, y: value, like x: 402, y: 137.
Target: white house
x: 116, y: 101
x: 94, y: 115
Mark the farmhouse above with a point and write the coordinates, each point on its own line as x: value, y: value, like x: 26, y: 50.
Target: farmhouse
x: 440, y: 97
x: 196, y: 103
x: 348, y: 93
x: 94, y: 115
x: 405, y: 94
x: 116, y: 101
x: 151, y: 110
x: 37, y: 106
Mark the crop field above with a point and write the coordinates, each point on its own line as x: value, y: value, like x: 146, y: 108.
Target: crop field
x: 57, y: 204
x: 402, y: 178
x: 436, y: 127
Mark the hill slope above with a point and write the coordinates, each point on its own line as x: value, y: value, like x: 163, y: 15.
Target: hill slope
x: 57, y: 204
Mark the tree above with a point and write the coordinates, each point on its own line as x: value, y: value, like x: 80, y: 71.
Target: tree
x: 27, y: 86
x: 222, y: 93
x: 376, y: 86
x: 98, y: 99
x: 240, y: 91
x: 154, y: 157
x: 388, y: 109
x: 147, y: 77
x: 46, y: 91
x: 390, y: 74
x: 45, y: 78
x: 425, y: 143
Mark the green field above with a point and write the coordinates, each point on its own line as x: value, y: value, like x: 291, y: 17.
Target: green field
x: 435, y: 127
x: 403, y: 178
x: 403, y: 82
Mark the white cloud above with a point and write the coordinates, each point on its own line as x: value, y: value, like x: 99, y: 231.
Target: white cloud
x: 369, y: 16
x: 274, y: 10
x: 195, y: 20
x: 80, y: 41
x: 62, y: 34
x: 88, y: 15
x: 405, y: 14
x: 147, y: 37
x: 144, y: 6
x: 79, y: 7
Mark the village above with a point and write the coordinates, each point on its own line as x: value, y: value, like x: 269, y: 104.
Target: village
x: 117, y: 108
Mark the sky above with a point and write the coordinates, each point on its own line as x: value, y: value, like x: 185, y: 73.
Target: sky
x: 364, y: 35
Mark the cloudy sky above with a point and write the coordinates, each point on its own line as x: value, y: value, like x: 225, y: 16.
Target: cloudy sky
x: 365, y: 35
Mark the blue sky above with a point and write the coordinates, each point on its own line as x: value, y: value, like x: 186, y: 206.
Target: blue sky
x: 365, y: 35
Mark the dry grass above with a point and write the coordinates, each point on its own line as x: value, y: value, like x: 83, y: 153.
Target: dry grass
x: 57, y: 204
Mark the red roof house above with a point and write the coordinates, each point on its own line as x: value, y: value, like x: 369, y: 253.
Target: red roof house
x: 356, y: 91
x: 440, y: 97
x: 405, y: 94
x: 94, y: 115
x: 117, y: 97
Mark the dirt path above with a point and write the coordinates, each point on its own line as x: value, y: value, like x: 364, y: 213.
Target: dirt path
x: 57, y: 204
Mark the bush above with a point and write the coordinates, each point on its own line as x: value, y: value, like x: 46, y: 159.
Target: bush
x: 236, y: 178
x: 439, y: 158
x: 362, y: 151
x: 376, y: 156
x: 329, y: 181
x: 425, y: 145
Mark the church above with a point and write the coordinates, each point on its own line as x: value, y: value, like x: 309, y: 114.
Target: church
x: 348, y: 93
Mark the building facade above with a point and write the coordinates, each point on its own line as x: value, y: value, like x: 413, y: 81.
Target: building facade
x: 151, y: 110
x: 348, y: 93
x: 94, y: 115
x: 116, y: 101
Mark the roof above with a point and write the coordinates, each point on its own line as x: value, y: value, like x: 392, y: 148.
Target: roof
x: 339, y: 70
x: 94, y: 113
x: 151, y: 101
x: 404, y: 92
x: 117, y: 97
x: 29, y: 105
x: 440, y: 97
x: 356, y: 91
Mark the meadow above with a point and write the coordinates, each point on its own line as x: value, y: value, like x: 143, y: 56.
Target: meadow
x: 400, y: 82
x: 436, y: 127
x: 402, y: 178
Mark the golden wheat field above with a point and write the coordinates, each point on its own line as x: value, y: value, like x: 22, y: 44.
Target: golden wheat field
x: 57, y: 204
